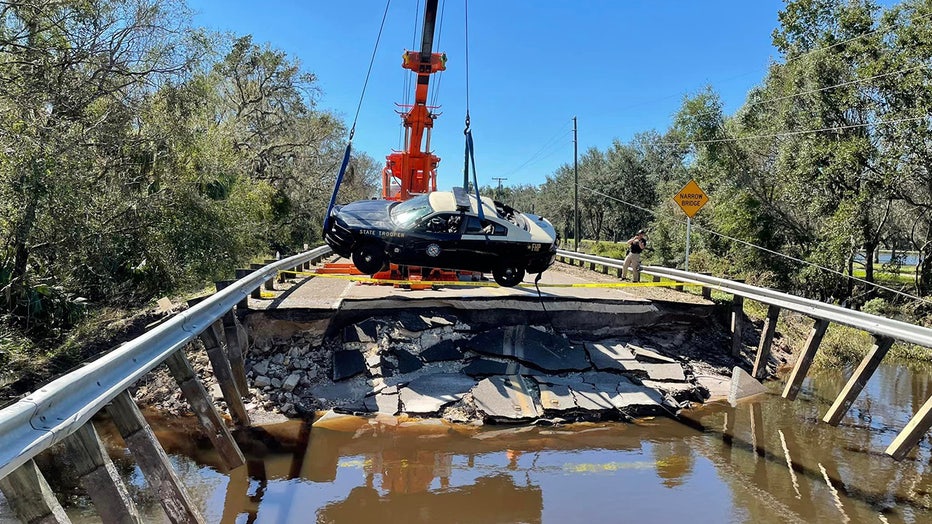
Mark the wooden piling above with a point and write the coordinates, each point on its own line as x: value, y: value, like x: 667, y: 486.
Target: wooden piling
x: 235, y: 350
x: 201, y: 405
x: 766, y: 342
x: 99, y: 476
x: 30, y: 496
x: 737, y: 325
x: 212, y: 340
x: 858, y: 380
x: 914, y: 431
x: 804, y: 361
x: 152, y: 460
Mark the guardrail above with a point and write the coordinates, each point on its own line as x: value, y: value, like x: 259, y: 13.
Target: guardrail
x: 884, y: 330
x: 62, y: 407
x: 813, y: 308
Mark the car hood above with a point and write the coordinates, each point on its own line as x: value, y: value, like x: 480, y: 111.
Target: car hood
x: 368, y: 214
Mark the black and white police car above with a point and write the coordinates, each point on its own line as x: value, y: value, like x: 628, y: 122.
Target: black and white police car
x: 443, y: 229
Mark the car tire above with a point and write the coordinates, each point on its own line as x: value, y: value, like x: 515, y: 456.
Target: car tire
x: 369, y: 258
x: 508, y: 274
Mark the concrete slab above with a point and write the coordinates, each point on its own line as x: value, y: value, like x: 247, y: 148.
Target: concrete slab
x: 444, y: 350
x: 507, y: 397
x: 743, y: 385
x: 347, y: 363
x: 556, y: 397
x: 428, y: 394
x: 604, y: 356
x: 407, y: 362
x: 531, y: 347
x: 718, y: 387
x: 646, y: 354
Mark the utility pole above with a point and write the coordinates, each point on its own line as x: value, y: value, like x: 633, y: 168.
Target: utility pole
x: 575, y: 190
x: 499, y: 193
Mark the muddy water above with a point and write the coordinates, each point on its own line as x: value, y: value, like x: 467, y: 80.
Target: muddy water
x: 768, y: 461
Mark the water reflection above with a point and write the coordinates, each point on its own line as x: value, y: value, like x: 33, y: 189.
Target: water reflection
x: 764, y: 461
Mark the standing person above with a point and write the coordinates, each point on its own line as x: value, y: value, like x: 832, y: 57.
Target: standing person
x: 636, y: 244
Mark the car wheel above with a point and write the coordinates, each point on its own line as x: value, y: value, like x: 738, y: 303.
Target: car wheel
x: 508, y: 274
x: 369, y: 258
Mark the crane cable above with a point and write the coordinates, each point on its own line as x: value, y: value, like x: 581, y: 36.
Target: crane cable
x: 470, y: 150
x: 349, y: 142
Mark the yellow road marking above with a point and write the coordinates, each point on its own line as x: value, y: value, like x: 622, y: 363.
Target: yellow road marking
x: 452, y: 283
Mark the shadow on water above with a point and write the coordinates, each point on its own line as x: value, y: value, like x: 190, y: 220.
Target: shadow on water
x: 764, y: 461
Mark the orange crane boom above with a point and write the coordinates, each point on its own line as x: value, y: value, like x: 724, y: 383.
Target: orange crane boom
x: 413, y: 170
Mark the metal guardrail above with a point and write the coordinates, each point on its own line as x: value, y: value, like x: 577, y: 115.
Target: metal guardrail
x: 894, y: 329
x: 59, y: 408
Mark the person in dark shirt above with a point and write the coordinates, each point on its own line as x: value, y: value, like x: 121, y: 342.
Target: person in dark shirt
x: 636, y: 244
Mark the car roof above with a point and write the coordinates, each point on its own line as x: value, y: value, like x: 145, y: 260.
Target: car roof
x: 445, y: 201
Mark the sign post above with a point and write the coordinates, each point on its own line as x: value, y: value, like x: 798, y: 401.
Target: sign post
x: 690, y: 199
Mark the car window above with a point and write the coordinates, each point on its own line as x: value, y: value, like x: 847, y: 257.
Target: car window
x: 406, y: 213
x: 442, y: 223
x: 485, y: 227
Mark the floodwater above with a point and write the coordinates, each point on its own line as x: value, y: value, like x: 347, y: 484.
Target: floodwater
x: 764, y: 461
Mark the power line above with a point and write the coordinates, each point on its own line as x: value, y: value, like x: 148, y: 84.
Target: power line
x: 761, y: 248
x: 552, y: 141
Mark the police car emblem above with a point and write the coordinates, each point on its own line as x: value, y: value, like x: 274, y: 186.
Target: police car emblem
x: 433, y: 250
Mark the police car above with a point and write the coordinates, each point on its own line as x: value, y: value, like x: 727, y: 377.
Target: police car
x: 443, y: 229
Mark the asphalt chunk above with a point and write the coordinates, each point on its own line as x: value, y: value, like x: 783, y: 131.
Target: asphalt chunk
x: 531, y: 347
x: 428, y: 394
x: 444, y: 350
x: 347, y: 364
x: 407, y: 363
x: 605, y: 356
x: 507, y: 397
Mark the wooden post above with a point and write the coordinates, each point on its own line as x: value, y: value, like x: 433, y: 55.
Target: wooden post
x: 804, y: 361
x: 604, y: 270
x: 617, y: 272
x: 152, y: 460
x: 737, y: 325
x: 591, y: 266
x: 30, y: 496
x: 858, y: 380
x: 211, y: 339
x: 766, y: 341
x: 207, y: 415
x: 242, y: 304
x: 656, y: 278
x: 912, y: 433
x: 706, y: 291
x: 99, y: 476
x: 257, y: 293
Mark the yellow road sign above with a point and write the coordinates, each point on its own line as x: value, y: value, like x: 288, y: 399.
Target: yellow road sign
x: 691, y: 198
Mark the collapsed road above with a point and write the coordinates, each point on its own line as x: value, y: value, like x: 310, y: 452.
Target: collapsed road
x: 477, y: 355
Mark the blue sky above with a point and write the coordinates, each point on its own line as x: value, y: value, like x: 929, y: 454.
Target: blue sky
x: 621, y: 67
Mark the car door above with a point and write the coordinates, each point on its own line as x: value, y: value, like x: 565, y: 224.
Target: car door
x: 433, y: 241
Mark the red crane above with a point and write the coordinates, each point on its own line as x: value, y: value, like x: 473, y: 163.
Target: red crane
x: 413, y: 170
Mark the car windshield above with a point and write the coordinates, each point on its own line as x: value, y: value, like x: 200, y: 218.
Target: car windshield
x: 406, y: 213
